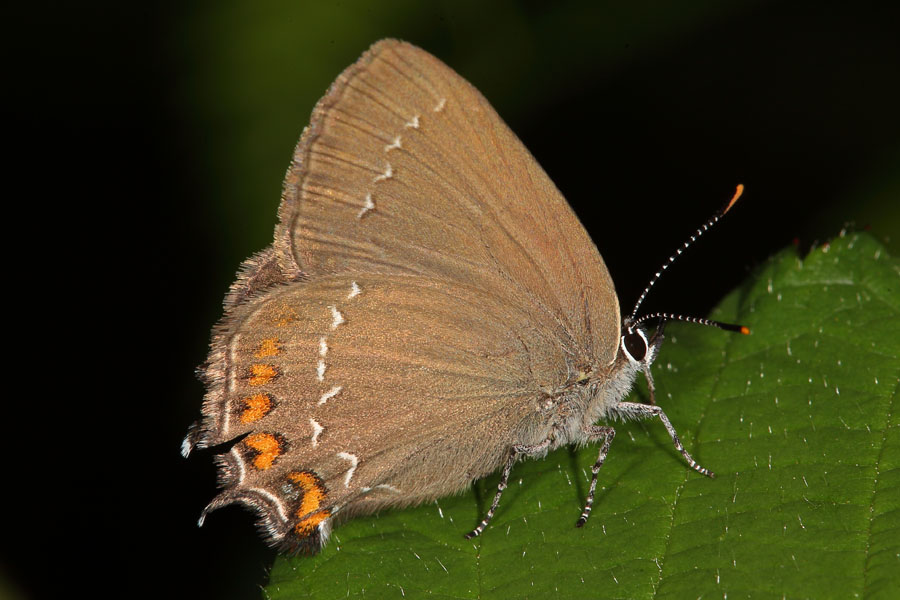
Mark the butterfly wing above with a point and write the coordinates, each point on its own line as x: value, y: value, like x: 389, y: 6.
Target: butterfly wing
x: 427, y: 291
x: 372, y: 390
x: 407, y: 169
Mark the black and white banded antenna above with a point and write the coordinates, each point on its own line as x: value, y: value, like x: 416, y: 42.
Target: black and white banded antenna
x: 633, y: 321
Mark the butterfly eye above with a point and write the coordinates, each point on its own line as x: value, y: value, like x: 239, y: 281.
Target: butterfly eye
x: 635, y: 345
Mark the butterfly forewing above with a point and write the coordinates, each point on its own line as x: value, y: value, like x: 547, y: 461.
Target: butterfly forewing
x: 406, y: 168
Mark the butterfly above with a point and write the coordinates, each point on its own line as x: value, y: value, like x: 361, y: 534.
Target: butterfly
x: 430, y: 311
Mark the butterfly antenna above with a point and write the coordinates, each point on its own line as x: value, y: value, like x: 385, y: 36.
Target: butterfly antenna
x: 699, y: 320
x: 633, y: 320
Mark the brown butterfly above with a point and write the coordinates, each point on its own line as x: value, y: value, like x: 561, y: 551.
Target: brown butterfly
x: 431, y: 310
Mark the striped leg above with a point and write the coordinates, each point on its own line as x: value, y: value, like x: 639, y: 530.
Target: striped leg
x: 513, y: 456
x: 650, y: 385
x: 636, y: 410
x: 595, y: 432
x: 655, y: 342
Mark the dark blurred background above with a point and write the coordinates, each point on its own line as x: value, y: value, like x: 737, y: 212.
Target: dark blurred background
x: 157, y: 136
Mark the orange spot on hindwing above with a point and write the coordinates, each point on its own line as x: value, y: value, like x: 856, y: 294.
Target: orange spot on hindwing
x: 264, y: 448
x: 256, y: 407
x: 284, y: 315
x: 268, y: 347
x: 313, y: 497
x: 261, y: 374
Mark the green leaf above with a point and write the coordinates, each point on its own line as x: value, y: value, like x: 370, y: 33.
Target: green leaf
x: 799, y: 421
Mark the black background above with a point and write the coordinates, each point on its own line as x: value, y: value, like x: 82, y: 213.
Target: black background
x: 152, y: 139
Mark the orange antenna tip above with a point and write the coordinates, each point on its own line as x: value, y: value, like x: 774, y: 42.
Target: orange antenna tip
x: 737, y: 194
x: 745, y: 330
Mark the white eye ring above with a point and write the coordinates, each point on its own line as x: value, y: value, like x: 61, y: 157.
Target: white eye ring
x: 631, y: 358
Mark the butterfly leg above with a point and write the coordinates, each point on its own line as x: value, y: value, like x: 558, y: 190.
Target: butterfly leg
x: 514, y: 454
x: 595, y: 432
x: 654, y: 343
x: 636, y: 410
x: 650, y: 386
